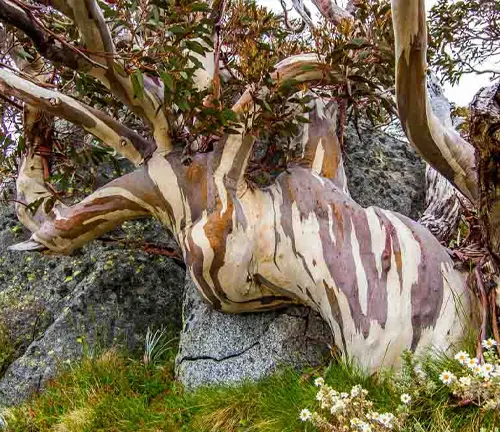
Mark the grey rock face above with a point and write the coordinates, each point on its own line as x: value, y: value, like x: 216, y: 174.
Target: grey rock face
x: 56, y: 307
x: 384, y: 171
x: 217, y: 348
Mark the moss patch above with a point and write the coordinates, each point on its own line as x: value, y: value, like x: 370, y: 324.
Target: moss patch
x: 7, y: 349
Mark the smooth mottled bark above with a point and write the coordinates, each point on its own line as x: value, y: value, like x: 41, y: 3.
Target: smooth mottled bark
x: 441, y: 146
x: 442, y: 200
x: 382, y: 282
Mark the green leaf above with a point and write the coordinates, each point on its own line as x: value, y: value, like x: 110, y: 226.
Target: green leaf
x: 119, y: 69
x: 302, y: 119
x: 199, y: 7
x: 196, y: 47
x: 168, y: 80
x: 137, y: 79
x: 177, y: 30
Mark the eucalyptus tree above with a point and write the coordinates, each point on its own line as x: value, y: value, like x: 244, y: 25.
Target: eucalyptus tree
x: 207, y: 80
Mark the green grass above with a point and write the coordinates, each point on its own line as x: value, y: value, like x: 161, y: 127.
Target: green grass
x: 115, y: 393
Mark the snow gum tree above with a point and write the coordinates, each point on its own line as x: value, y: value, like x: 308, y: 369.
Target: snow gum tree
x: 186, y: 91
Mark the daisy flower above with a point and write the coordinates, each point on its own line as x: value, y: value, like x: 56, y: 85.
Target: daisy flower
x: 472, y: 362
x: 365, y: 427
x: 462, y: 357
x: 489, y: 343
x: 320, y: 395
x: 319, y: 382
x: 356, y: 390
x: 305, y: 415
x: 405, y: 398
x: 447, y: 377
x: 477, y: 370
x: 487, y: 369
x: 386, y: 420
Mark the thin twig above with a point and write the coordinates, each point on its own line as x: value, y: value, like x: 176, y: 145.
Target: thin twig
x: 494, y: 319
x: 484, y: 303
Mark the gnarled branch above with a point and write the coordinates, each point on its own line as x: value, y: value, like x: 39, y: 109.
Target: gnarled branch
x: 122, y: 139
x: 97, y: 37
x: 439, y: 145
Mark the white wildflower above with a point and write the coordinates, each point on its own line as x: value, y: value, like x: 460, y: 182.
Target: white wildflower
x: 420, y: 372
x: 373, y: 415
x: 405, y: 398
x: 386, y: 420
x: 487, y: 369
x: 356, y: 390
x: 447, y: 377
x: 465, y: 381
x: 344, y: 395
x: 462, y: 357
x: 472, y: 362
x: 489, y: 343
x: 319, y: 382
x: 320, y: 395
x: 355, y: 422
x: 365, y: 427
x: 339, y: 406
x: 477, y: 370
x: 305, y: 415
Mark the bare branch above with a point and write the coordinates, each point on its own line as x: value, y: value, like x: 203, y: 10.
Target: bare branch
x: 302, y: 10
x: 97, y: 37
x: 441, y: 146
x: 128, y: 197
x: 125, y: 141
x: 332, y: 12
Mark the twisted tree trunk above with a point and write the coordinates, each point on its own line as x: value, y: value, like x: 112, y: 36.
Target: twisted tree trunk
x: 382, y: 282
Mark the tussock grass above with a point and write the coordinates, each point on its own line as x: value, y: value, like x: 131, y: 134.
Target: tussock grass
x: 113, y: 392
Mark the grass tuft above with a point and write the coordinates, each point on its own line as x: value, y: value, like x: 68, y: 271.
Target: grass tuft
x: 117, y: 393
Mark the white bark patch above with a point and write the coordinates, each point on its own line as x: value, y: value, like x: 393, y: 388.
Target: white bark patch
x: 109, y: 216
x: 411, y: 253
x: 362, y: 281
x: 231, y: 148
x: 319, y: 156
x: 163, y: 175
x: 377, y: 236
x: 451, y: 324
x: 405, y: 21
x: 330, y: 225
x: 201, y: 240
x: 234, y: 272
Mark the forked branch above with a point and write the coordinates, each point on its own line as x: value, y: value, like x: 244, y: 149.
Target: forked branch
x: 97, y: 37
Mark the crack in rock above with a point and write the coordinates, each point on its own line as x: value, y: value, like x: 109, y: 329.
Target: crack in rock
x: 215, y: 359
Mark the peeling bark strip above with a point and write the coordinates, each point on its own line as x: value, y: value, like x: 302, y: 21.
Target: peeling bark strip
x: 442, y: 147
